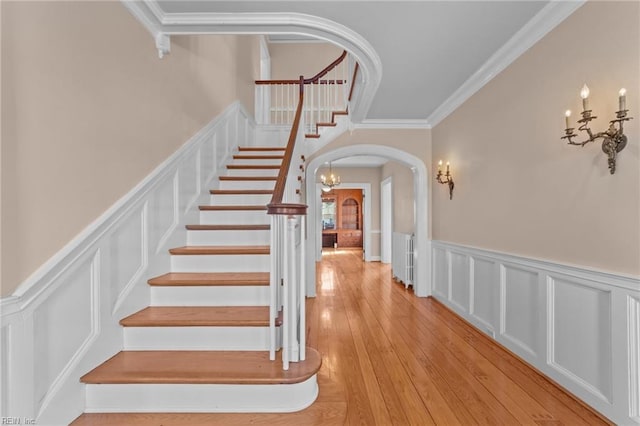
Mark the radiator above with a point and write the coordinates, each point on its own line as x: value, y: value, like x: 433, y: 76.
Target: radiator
x: 402, y: 258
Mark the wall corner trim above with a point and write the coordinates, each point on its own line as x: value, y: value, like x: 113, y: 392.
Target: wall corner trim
x: 543, y: 22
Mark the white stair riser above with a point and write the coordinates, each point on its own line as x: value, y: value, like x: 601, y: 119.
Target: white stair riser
x: 217, y: 238
x: 200, y: 398
x: 252, y: 172
x: 247, y: 184
x: 261, y: 161
x: 196, y: 338
x: 220, y: 263
x: 210, y: 296
x: 234, y: 217
x: 240, y: 199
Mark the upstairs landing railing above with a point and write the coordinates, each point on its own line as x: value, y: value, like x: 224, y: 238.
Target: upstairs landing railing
x: 325, y: 93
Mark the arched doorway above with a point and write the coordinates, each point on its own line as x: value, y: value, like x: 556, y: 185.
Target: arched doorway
x: 422, y: 286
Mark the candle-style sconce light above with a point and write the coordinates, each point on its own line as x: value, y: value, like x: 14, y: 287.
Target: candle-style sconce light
x: 613, y: 139
x: 445, y: 178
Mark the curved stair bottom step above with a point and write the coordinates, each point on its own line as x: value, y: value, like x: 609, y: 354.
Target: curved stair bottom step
x: 201, y: 398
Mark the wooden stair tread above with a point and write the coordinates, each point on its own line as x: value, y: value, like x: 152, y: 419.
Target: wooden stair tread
x: 326, y: 124
x: 200, y: 316
x: 202, y: 367
x: 211, y: 279
x: 253, y: 166
x: 228, y: 227
x: 257, y: 157
x: 221, y: 250
x: 312, y: 135
x: 249, y: 178
x: 232, y: 208
x: 261, y: 148
x: 241, y: 191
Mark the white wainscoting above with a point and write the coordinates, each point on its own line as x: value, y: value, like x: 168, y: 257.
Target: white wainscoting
x: 63, y: 320
x: 579, y: 327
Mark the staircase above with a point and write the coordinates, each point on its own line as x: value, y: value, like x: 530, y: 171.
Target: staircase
x: 203, y: 344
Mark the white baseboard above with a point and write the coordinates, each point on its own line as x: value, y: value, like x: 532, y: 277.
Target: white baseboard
x: 100, y: 276
x: 575, y: 325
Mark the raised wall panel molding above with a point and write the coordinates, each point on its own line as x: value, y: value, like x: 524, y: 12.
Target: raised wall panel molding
x: 64, y: 314
x: 547, y: 19
x: 130, y: 251
x: 633, y: 313
x: 64, y: 318
x: 571, y: 312
x: 580, y: 327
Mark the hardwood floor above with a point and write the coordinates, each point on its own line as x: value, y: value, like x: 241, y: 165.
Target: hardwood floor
x: 390, y: 358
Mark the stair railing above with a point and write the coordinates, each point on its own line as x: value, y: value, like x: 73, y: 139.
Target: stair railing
x: 326, y: 93
x: 287, y: 215
x: 287, y: 284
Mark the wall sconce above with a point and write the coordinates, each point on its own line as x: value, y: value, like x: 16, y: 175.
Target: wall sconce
x: 613, y: 139
x: 445, y: 178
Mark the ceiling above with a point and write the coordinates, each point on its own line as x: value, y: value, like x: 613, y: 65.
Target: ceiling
x: 427, y: 49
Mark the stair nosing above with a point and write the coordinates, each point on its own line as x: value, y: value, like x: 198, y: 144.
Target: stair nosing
x: 199, y: 227
x: 220, y: 250
x: 170, y: 320
x: 223, y: 207
x: 163, y: 367
x: 211, y: 279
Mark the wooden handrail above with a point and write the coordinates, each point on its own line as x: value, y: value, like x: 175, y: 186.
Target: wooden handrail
x: 329, y: 67
x: 274, y: 82
x: 353, y: 81
x: 313, y: 79
x: 276, y: 206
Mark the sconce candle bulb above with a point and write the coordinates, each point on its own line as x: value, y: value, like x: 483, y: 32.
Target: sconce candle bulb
x: 613, y: 139
x: 622, y: 99
x: 584, y: 94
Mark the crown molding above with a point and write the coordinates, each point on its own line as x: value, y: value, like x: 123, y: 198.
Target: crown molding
x: 162, y: 25
x: 392, y: 124
x: 544, y: 21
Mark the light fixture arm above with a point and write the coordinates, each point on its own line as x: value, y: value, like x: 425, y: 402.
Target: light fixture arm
x: 613, y: 139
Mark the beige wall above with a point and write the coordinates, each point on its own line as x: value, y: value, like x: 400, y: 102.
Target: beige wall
x: 519, y: 188
x: 291, y: 60
x: 402, y: 190
x: 88, y: 110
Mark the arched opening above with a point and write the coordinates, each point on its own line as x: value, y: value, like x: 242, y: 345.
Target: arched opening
x: 422, y: 271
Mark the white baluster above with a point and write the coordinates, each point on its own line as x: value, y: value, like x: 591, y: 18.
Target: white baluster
x: 273, y: 288
x: 293, y: 290
x: 303, y: 291
x: 285, y: 301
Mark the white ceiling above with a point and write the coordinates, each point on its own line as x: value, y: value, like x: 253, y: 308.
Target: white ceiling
x: 428, y: 49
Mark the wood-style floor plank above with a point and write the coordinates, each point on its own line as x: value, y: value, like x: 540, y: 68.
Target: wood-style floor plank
x: 389, y: 358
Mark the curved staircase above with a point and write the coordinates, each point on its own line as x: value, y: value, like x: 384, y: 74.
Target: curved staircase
x: 202, y: 345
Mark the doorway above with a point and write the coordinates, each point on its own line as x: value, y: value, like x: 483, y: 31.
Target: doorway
x: 342, y: 218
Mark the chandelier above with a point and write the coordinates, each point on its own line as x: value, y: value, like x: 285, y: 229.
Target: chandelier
x: 329, y: 181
